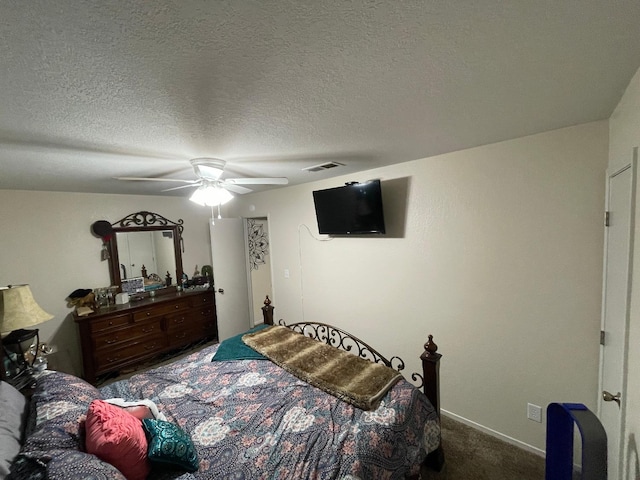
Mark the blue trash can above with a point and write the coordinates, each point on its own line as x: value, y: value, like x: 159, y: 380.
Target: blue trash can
x: 561, y: 419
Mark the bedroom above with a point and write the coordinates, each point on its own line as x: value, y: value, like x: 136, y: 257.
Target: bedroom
x: 500, y: 258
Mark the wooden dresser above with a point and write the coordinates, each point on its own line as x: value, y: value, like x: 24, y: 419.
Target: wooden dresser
x: 126, y: 335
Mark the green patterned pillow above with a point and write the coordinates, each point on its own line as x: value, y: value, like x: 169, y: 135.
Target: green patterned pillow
x: 170, y: 445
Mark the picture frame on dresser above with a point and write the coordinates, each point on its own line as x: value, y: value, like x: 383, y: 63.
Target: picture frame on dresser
x: 132, y: 285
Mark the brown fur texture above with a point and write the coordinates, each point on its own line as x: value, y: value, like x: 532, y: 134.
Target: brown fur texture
x: 353, y: 379
x: 88, y: 300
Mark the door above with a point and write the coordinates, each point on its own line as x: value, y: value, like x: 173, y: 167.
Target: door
x: 140, y: 253
x: 230, y: 276
x: 615, y: 310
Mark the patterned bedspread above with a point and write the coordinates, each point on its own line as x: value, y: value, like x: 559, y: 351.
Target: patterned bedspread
x: 248, y: 419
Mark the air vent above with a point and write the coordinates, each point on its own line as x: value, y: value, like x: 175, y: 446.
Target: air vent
x: 323, y: 166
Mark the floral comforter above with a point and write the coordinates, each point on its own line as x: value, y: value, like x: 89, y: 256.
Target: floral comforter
x: 248, y: 419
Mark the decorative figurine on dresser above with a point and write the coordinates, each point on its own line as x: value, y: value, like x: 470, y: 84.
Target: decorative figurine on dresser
x: 124, y: 335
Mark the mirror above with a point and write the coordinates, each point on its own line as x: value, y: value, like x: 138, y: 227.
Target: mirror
x: 145, y: 244
x: 145, y: 253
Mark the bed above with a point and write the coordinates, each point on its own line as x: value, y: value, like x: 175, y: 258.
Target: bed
x: 236, y: 418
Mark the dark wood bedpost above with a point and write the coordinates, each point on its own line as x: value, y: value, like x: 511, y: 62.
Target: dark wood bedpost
x: 267, y: 311
x: 431, y: 372
x: 431, y: 376
x: 2, y: 353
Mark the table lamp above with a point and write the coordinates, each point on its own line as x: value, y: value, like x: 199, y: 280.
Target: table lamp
x: 18, y: 311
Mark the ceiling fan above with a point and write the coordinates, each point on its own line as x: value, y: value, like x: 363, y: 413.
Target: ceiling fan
x: 212, y: 190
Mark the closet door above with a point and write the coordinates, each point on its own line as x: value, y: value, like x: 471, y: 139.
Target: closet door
x: 615, y: 310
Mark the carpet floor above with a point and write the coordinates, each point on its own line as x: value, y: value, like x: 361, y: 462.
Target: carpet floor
x: 474, y: 455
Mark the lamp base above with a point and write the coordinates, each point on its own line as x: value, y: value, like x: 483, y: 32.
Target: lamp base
x: 22, y: 380
x: 19, y: 336
x: 16, y: 353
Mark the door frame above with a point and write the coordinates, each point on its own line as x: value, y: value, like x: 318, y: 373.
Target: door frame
x: 252, y: 318
x: 625, y: 369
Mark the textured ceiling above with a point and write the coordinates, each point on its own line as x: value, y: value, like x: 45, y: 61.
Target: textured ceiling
x: 90, y: 90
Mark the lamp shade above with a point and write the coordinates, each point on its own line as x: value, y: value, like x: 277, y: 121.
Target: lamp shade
x: 211, y: 196
x: 18, y: 309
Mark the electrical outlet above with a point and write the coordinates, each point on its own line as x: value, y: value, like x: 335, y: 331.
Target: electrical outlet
x: 534, y: 412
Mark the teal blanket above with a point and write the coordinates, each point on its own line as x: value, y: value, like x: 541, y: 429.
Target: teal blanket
x: 234, y: 348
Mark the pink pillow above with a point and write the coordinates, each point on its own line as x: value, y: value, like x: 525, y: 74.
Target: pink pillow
x: 117, y: 437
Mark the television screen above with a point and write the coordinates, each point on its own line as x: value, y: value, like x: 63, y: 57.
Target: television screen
x: 355, y: 208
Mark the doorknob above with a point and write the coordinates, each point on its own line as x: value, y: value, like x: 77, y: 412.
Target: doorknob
x: 221, y: 290
x: 609, y: 397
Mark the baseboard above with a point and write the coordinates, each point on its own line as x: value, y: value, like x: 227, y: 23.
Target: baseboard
x: 494, y: 433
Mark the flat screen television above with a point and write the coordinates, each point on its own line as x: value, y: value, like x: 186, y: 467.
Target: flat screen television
x: 353, y: 209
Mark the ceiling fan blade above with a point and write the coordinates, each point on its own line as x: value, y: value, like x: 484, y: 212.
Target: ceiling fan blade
x: 193, y: 185
x: 143, y: 179
x: 235, y: 188
x: 257, y: 181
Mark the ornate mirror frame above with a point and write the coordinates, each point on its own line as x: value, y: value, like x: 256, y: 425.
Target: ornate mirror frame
x: 145, y: 221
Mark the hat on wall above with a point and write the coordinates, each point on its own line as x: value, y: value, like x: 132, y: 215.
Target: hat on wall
x: 79, y: 293
x: 102, y: 229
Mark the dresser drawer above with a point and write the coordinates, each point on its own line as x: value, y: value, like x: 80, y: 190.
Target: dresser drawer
x: 110, y: 323
x: 194, y: 332
x: 179, y: 321
x: 200, y: 300
x: 127, y: 335
x: 208, y: 327
x: 204, y: 320
x: 188, y: 318
x: 160, y: 310
x: 107, y: 360
x: 179, y: 338
x: 116, y: 338
x: 202, y: 314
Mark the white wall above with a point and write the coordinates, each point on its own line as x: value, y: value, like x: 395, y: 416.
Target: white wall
x: 624, y: 135
x: 46, y: 242
x: 497, y: 251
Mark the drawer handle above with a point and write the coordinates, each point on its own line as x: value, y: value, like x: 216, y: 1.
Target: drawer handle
x: 110, y: 323
x: 181, y: 335
x: 177, y: 306
x: 147, y: 330
x: 150, y: 347
x: 114, y: 359
x: 148, y: 313
x: 109, y: 342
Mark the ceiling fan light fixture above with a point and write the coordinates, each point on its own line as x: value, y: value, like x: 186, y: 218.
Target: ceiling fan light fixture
x: 210, y: 196
x: 208, y: 168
